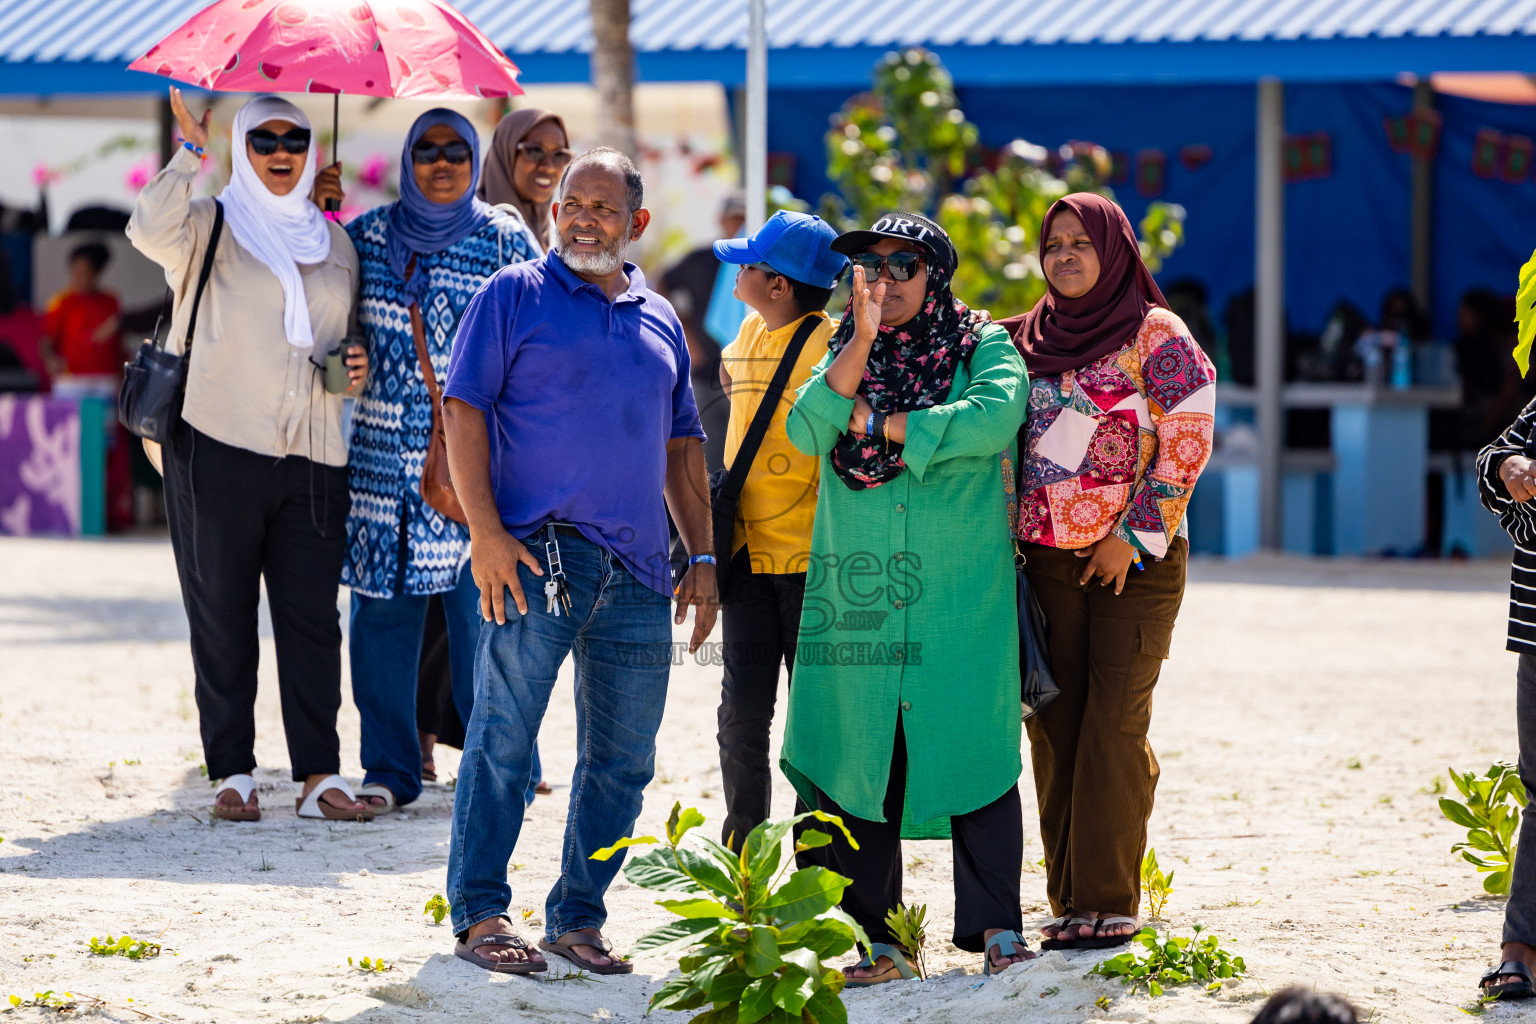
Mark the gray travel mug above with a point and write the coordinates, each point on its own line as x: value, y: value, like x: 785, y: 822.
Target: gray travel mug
x: 337, y: 380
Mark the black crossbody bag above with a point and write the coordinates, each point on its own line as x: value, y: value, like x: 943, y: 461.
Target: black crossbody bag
x: 154, y: 384
x: 725, y: 484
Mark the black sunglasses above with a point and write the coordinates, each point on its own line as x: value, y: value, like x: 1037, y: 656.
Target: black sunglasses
x: 454, y: 152
x: 538, y: 154
x: 902, y: 265
x: 265, y: 143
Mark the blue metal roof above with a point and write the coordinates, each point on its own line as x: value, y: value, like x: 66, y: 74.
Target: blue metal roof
x: 61, y: 46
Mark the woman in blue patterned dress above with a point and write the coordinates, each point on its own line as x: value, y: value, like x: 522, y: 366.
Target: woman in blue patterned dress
x: 400, y: 550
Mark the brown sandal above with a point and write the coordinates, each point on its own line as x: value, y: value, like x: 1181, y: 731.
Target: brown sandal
x: 242, y: 786
x: 561, y: 947
x: 466, y: 951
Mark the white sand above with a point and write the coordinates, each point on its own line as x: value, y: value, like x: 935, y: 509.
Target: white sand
x: 1282, y: 673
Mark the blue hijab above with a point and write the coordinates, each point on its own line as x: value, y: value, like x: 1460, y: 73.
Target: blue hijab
x: 416, y: 223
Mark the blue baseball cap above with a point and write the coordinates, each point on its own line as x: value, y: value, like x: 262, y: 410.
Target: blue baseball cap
x: 797, y: 245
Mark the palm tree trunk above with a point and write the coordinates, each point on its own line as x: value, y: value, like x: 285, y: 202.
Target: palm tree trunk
x: 613, y: 75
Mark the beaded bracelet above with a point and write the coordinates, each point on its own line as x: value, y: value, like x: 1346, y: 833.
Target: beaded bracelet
x: 195, y: 149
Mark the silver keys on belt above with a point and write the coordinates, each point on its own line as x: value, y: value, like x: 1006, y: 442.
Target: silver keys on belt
x: 556, y: 592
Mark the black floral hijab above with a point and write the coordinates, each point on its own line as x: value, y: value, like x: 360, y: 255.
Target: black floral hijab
x: 911, y: 365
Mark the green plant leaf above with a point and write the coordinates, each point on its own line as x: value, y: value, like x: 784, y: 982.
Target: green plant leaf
x: 729, y: 984
x: 719, y: 1015
x: 839, y: 914
x: 699, y: 908
x: 757, y: 1000
x: 657, y: 870
x: 1459, y: 813
x: 810, y: 839
x: 674, y: 935
x: 806, y: 893
x: 1498, y: 882
x: 708, y: 874
x: 628, y: 841
x: 793, y: 988
x: 681, y: 821
x: 824, y: 1007
x: 762, y: 953
x: 1462, y: 782
x: 677, y: 994
x: 824, y: 936
x: 803, y: 959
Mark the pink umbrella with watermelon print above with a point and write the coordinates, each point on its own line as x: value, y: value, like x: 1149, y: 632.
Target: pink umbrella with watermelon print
x: 404, y: 49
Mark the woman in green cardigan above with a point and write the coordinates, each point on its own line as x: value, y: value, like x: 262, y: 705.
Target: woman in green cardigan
x: 904, y: 716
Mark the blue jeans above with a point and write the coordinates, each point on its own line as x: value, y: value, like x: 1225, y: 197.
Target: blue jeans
x: 620, y: 633
x: 384, y: 641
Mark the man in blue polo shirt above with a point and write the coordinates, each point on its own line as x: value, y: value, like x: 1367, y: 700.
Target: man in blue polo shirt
x: 569, y: 417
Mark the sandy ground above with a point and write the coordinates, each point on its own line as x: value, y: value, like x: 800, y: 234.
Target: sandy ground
x: 1301, y: 724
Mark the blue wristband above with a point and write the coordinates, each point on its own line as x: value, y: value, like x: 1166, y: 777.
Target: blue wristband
x: 869, y: 425
x: 696, y: 559
x: 195, y: 149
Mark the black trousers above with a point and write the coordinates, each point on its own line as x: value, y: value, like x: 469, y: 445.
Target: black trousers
x: 238, y: 518
x: 760, y: 621
x: 989, y: 856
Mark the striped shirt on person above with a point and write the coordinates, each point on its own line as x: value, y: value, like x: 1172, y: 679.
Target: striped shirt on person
x: 1519, y: 521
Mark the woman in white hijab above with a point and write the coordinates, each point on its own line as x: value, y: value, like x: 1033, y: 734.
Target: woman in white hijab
x: 255, y: 473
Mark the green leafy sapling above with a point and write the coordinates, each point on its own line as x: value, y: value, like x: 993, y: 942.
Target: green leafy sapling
x: 128, y: 946
x: 755, y: 940
x: 1156, y: 885
x: 908, y: 927
x: 1491, y: 816
x: 1173, y: 961
x: 437, y: 907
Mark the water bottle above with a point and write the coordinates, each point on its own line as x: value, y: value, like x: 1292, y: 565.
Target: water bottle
x: 1402, y: 365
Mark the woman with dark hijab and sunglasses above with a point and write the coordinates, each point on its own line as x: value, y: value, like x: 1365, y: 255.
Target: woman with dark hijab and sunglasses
x: 430, y: 250
x: 1121, y: 406
x: 255, y: 473
x: 528, y: 153
x: 904, y: 716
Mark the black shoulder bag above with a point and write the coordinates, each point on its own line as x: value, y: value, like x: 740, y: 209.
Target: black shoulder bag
x: 154, y: 384
x: 725, y: 484
x: 1037, y: 683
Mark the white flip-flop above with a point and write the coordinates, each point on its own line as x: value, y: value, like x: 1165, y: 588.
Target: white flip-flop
x: 313, y: 807
x: 242, y: 786
x: 381, y: 791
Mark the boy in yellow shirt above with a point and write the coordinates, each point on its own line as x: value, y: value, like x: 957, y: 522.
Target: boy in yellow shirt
x: 786, y: 274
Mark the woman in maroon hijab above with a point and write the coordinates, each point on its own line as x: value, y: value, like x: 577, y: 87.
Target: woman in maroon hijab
x: 1119, y: 427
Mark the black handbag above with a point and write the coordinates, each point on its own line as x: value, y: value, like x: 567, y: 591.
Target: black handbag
x: 725, y: 484
x: 1037, y: 684
x: 154, y: 384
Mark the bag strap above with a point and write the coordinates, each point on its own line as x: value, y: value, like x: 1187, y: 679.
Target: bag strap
x: 419, y: 336
x: 736, y: 479
x: 205, y: 272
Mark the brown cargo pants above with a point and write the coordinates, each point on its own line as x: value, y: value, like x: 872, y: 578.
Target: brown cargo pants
x: 1095, y: 772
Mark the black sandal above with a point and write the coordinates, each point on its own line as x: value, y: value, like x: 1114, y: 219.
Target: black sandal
x: 466, y: 951
x: 1525, y: 988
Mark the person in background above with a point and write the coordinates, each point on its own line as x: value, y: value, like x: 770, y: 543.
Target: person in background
x: 784, y: 274
x: 432, y: 248
x: 1297, y: 1005
x: 1401, y: 312
x: 912, y: 416
x: 1121, y: 418
x: 568, y: 541
x: 83, y: 346
x: 83, y: 339
x: 703, y: 290
x: 255, y: 472
x: 1506, y: 483
x: 528, y: 151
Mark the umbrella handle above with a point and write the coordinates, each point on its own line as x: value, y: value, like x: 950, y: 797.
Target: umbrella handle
x: 333, y: 205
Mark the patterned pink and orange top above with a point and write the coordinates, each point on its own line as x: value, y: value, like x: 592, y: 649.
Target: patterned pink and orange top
x: 1116, y: 446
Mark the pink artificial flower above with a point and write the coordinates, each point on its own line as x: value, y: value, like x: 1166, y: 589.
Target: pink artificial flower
x: 139, y: 175
x: 373, y: 171
x: 42, y: 176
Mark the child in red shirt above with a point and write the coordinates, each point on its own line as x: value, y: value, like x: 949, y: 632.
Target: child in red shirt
x: 83, y: 337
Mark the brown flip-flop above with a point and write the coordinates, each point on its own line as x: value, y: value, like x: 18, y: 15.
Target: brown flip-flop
x: 543, y: 788
x: 466, y: 951
x: 561, y: 947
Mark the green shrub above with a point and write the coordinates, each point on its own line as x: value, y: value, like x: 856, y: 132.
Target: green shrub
x: 755, y: 946
x: 1491, y: 817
